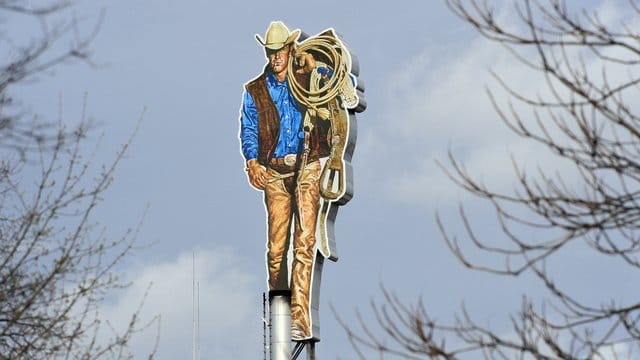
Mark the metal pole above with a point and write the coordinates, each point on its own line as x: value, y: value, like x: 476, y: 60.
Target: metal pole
x: 311, y: 350
x: 264, y: 326
x: 280, y: 321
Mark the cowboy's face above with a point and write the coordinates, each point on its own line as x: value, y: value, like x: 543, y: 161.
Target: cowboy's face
x: 279, y: 59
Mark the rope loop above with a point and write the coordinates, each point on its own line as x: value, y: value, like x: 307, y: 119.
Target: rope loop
x: 330, y: 48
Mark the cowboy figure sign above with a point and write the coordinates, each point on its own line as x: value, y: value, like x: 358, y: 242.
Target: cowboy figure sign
x: 297, y: 135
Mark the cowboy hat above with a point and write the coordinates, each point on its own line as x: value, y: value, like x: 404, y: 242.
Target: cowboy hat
x: 277, y: 36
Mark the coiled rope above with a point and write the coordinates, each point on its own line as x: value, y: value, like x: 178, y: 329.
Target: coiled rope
x: 339, y: 60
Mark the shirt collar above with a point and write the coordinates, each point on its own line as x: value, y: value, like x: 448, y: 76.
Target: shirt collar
x: 273, y: 82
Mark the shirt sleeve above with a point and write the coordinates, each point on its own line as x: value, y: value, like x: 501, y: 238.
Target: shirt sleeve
x: 249, y: 127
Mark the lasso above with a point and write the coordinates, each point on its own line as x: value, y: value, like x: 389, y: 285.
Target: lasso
x: 339, y: 61
x: 322, y: 99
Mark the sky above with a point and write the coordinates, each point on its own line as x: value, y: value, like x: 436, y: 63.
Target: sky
x: 184, y: 65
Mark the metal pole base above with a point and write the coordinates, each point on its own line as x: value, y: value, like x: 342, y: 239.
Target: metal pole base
x: 280, y: 324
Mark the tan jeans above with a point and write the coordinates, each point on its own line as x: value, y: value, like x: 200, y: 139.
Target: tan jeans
x: 287, y: 203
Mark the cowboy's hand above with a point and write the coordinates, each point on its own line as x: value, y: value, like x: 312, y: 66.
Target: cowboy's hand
x: 258, y: 176
x: 306, y: 62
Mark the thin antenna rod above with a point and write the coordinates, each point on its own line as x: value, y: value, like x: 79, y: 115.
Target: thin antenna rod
x: 198, y: 319
x: 193, y: 306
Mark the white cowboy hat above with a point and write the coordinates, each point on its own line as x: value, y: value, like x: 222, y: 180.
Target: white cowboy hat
x: 277, y: 36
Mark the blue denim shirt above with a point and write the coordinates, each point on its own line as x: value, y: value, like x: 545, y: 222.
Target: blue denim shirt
x: 289, y: 140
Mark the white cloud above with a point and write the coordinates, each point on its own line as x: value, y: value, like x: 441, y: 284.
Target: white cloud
x: 434, y: 105
x: 437, y: 101
x: 229, y: 307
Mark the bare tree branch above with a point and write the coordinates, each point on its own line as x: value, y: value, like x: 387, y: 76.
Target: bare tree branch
x: 588, y: 119
x: 56, y: 262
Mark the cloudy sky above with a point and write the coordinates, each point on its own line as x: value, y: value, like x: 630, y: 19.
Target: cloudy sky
x: 186, y: 62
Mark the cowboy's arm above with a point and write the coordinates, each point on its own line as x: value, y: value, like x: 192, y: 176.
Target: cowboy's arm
x: 257, y: 174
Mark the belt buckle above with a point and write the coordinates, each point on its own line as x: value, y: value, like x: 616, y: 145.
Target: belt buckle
x: 290, y: 159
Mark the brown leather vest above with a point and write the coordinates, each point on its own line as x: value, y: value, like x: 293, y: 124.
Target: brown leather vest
x: 269, y: 122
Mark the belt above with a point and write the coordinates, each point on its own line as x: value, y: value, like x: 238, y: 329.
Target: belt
x: 288, y: 163
x: 284, y: 164
x: 288, y: 160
